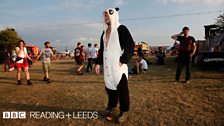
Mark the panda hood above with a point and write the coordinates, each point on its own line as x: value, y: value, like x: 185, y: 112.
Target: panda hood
x: 114, y: 19
x: 112, y: 52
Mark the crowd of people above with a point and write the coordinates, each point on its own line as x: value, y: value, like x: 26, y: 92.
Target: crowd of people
x: 80, y: 55
x: 116, y: 50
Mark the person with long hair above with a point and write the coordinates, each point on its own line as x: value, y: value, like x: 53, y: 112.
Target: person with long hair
x: 22, y: 63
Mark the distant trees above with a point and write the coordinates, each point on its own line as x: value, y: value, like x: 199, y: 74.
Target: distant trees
x: 9, y: 39
x: 220, y: 22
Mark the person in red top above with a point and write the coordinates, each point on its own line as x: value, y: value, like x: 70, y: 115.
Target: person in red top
x: 79, y: 58
x: 186, y: 50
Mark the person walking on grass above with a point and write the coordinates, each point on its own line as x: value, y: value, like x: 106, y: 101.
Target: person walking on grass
x: 79, y: 58
x: 89, y: 57
x: 94, y: 56
x: 46, y: 54
x: 6, y: 59
x: 116, y: 49
x: 186, y: 51
x: 21, y: 62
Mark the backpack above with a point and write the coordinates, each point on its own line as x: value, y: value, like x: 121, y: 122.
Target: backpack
x: 77, y: 52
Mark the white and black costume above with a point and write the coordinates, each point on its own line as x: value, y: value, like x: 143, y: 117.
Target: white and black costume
x: 119, y: 49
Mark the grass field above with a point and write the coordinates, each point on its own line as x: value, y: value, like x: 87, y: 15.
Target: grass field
x: 155, y: 99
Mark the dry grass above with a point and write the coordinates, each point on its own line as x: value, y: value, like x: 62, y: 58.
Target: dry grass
x: 155, y: 99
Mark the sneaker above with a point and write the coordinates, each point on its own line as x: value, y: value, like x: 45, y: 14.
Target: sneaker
x: 48, y: 80
x: 187, y: 82
x: 19, y: 82
x: 123, y: 117
x: 109, y: 111
x: 29, y: 82
x: 79, y: 73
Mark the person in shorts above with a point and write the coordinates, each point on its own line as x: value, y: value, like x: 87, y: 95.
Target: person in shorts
x: 79, y: 58
x: 46, y: 54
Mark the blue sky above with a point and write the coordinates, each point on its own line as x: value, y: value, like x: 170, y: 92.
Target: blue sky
x: 64, y: 22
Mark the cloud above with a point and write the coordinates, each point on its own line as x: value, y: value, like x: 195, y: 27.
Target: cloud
x: 82, y: 39
x: 61, y: 34
x: 207, y: 2
x: 79, y: 4
x: 119, y: 2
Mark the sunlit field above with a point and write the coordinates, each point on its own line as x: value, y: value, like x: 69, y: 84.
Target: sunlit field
x: 155, y: 99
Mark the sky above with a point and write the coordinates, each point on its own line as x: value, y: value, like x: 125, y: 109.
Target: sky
x: 65, y: 22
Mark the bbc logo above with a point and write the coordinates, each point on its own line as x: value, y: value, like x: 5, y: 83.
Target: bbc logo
x: 14, y: 115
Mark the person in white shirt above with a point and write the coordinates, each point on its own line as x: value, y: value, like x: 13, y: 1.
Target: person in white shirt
x: 89, y: 57
x: 141, y: 65
x: 116, y: 50
x: 94, y: 56
x: 21, y: 62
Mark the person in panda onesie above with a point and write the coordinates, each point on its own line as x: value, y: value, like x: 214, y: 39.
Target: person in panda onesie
x: 116, y: 49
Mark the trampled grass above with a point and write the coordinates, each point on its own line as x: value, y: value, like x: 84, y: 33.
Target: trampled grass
x: 155, y: 99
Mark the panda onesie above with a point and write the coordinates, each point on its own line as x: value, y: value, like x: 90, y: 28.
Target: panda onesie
x: 114, y: 57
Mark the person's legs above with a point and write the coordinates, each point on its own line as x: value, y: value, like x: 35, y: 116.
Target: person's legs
x: 89, y: 65
x: 47, y: 72
x: 19, y: 73
x: 112, y: 102
x: 137, y: 67
x: 44, y: 72
x: 188, y: 67
x: 79, y: 69
x: 93, y: 65
x: 8, y: 63
x: 112, y: 98
x: 179, y: 68
x: 123, y: 94
x: 26, y: 70
x: 19, y: 82
x: 123, y: 99
x: 87, y: 68
x: 5, y: 66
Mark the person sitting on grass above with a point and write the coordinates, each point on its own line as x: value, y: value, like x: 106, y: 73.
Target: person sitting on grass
x: 160, y: 56
x: 141, y: 65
